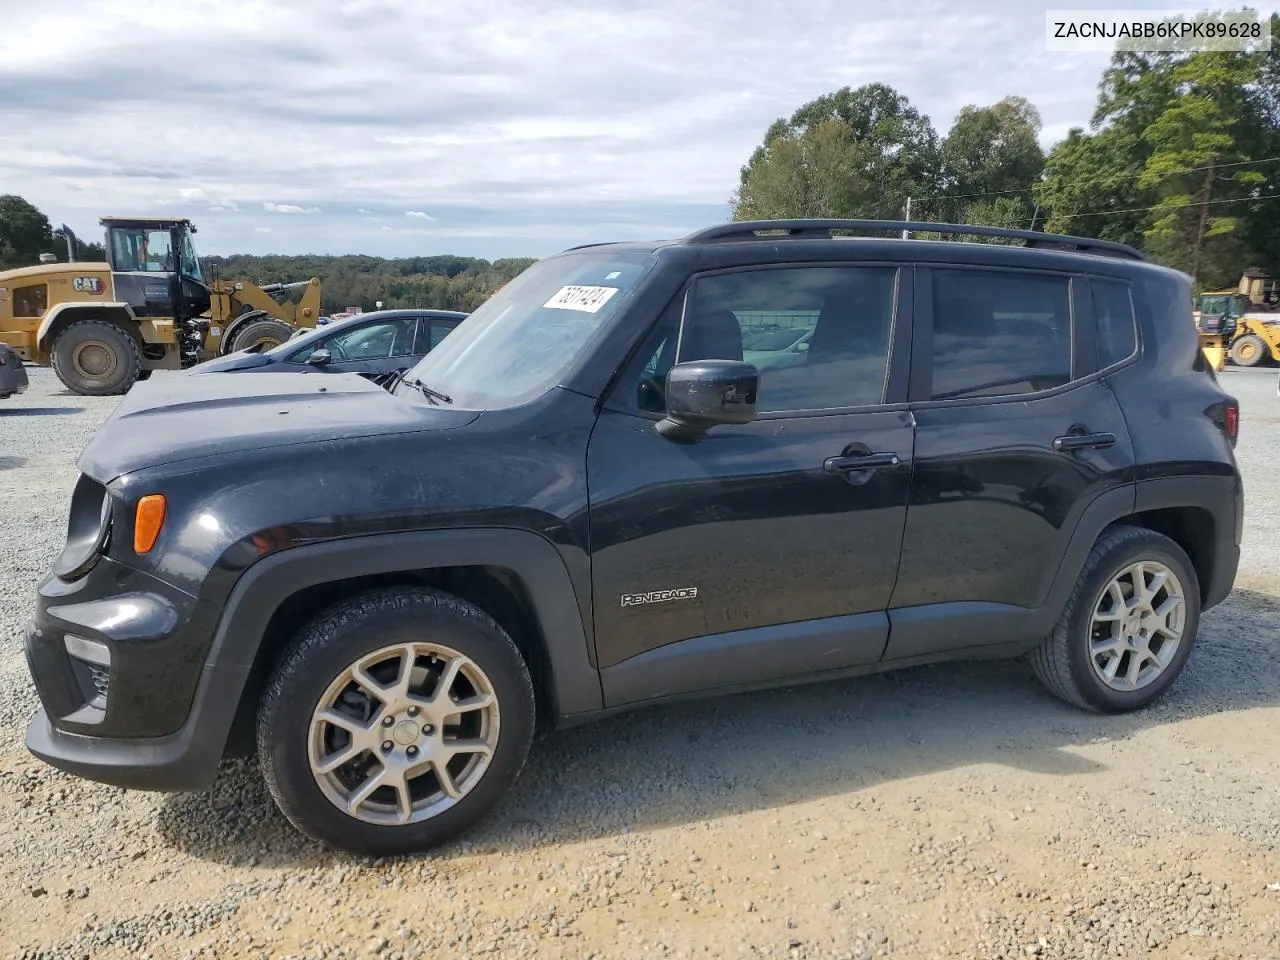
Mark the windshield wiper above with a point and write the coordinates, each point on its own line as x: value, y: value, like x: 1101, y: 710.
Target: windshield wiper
x: 435, y: 396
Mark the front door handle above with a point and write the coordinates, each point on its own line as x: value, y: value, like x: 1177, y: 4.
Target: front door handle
x: 1083, y: 441
x: 866, y: 461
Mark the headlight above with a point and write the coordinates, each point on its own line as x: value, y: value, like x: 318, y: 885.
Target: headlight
x: 88, y: 530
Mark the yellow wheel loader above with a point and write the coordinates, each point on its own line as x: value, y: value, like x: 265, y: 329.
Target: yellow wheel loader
x: 103, y: 326
x: 1242, y: 325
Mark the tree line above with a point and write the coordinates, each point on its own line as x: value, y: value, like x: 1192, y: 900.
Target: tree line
x: 440, y: 282
x: 1181, y: 159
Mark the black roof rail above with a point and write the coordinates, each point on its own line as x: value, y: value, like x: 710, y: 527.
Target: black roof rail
x: 817, y: 228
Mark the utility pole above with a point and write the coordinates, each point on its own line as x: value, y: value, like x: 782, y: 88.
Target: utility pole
x: 906, y: 219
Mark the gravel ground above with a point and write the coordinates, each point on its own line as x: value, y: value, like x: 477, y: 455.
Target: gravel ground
x: 954, y: 811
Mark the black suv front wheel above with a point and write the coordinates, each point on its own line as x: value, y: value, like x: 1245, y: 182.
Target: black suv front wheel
x: 1128, y: 629
x: 395, y: 721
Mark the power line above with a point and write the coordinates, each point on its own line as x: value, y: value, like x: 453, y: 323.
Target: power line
x: 1180, y: 206
x: 1090, y: 183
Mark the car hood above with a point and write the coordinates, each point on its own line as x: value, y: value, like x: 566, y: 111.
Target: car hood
x: 168, y: 419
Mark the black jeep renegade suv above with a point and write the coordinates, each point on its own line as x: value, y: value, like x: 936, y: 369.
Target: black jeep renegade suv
x: 585, y: 500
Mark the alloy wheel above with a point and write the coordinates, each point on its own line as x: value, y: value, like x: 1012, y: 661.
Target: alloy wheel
x: 1137, y: 626
x: 404, y: 733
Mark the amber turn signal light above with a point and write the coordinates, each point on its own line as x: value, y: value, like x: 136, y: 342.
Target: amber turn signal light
x: 147, y: 522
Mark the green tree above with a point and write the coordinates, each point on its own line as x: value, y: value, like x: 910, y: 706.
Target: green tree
x: 990, y: 159
x: 25, y: 233
x: 1090, y: 186
x: 1198, y: 161
x: 852, y: 153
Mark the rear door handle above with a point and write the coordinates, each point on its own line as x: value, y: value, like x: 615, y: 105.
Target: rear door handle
x: 1084, y: 441
x: 867, y: 461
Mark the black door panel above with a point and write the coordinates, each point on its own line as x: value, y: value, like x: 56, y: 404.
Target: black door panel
x: 992, y: 501
x: 749, y: 518
x: 766, y: 550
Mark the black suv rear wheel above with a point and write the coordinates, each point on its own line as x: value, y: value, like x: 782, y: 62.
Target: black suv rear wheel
x: 395, y: 721
x: 1128, y: 629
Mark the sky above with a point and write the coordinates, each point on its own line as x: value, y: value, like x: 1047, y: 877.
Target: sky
x: 484, y: 128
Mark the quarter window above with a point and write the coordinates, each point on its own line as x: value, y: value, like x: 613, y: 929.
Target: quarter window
x: 818, y: 335
x: 999, y: 334
x: 1113, y: 312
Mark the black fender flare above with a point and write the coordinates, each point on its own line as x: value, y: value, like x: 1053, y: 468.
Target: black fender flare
x: 534, y: 560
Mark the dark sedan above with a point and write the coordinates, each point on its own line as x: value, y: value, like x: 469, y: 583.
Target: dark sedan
x: 377, y: 345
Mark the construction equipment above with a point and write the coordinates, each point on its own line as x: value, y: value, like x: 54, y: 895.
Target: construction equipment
x: 1243, y: 323
x: 103, y: 326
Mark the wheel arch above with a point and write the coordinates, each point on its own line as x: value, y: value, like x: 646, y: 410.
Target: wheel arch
x: 1199, y: 513
x: 516, y: 576
x: 63, y: 315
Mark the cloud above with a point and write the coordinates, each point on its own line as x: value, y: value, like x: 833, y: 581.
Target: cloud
x: 418, y: 215
x: 525, y: 138
x: 287, y: 208
x: 261, y: 229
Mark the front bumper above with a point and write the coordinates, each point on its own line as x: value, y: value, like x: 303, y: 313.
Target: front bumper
x: 156, y: 716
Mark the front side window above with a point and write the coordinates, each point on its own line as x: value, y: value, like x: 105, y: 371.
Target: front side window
x: 377, y: 341
x: 134, y: 250
x: 819, y: 336
x: 999, y: 334
x: 521, y: 341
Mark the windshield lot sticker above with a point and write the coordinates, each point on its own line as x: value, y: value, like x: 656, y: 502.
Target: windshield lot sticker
x: 576, y: 297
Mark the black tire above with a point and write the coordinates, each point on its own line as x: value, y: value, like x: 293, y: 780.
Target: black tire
x: 331, y: 643
x: 274, y: 332
x: 1062, y: 662
x: 1248, y: 350
x: 96, y: 358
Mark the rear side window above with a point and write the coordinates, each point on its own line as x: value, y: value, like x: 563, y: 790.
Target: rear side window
x: 999, y: 334
x: 1113, y: 313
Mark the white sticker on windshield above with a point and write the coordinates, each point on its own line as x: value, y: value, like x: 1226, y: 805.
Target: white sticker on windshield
x: 578, y: 297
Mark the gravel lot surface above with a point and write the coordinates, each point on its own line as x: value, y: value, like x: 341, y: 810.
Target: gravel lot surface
x: 955, y: 811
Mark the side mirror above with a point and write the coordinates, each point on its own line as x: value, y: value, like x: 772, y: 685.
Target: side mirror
x: 319, y: 357
x: 702, y: 394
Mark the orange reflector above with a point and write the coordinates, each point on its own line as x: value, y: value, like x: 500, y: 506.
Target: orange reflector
x: 147, y: 522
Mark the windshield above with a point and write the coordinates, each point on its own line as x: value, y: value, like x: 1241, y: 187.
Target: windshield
x: 521, y: 340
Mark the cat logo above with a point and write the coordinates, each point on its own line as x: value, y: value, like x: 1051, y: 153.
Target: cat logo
x: 659, y: 596
x: 92, y: 285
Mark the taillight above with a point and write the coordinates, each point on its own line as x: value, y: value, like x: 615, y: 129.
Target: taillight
x: 1227, y: 417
